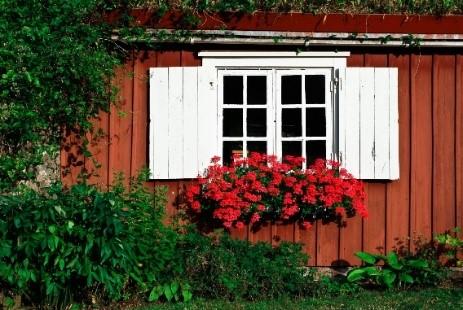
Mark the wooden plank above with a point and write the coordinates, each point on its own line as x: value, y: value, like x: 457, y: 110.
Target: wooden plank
x: 367, y: 130
x: 398, y: 192
x: 459, y: 141
x: 168, y: 58
x: 382, y: 91
x: 97, y: 164
x: 421, y: 146
x: 159, y: 127
x: 175, y: 123
x: 120, y: 125
x: 444, y: 142
x: 350, y: 114
x: 282, y: 232
x: 308, y: 239
x: 190, y: 58
x: 143, y: 61
x: 350, y: 239
x: 207, y: 117
x: 374, y: 227
x: 262, y: 233
x: 394, y: 141
x: 327, y: 244
x: 190, y: 123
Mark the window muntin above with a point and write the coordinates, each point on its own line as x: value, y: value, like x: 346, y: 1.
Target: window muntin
x: 275, y: 111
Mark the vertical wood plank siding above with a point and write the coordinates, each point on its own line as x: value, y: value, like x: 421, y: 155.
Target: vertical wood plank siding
x: 427, y: 198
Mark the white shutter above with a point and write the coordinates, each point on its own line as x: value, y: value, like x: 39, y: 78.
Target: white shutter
x: 183, y: 121
x: 368, y: 123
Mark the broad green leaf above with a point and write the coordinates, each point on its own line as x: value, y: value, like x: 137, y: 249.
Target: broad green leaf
x: 366, y: 257
x: 393, y: 261
x: 187, y: 295
x: 355, y: 275
x: 405, y: 277
x: 418, y: 263
x: 388, y: 278
x: 174, y: 287
x: 168, y: 292
x: 155, y: 293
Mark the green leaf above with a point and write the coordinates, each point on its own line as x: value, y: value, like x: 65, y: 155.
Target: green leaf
x: 366, y: 257
x: 155, y: 294
x: 168, y: 292
x: 174, y: 287
x: 393, y: 261
x: 355, y: 275
x: 406, y: 278
x: 187, y: 295
x: 417, y: 263
x: 388, y: 278
x: 52, y: 229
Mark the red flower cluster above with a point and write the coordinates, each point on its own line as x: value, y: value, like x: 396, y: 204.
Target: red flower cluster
x: 260, y: 187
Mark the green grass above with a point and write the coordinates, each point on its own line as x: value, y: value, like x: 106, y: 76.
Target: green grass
x: 434, y: 299
x: 319, y: 6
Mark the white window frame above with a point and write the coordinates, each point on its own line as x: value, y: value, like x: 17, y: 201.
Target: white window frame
x: 274, y: 64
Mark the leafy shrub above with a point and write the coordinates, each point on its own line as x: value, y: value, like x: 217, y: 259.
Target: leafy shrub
x: 395, y: 271
x: 236, y: 269
x: 259, y: 188
x: 449, y: 245
x: 66, y: 245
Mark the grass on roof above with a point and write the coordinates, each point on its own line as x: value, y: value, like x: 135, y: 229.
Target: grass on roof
x: 425, y: 7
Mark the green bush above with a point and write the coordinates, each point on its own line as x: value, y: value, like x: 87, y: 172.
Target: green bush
x: 392, y: 270
x: 236, y: 269
x: 82, y: 243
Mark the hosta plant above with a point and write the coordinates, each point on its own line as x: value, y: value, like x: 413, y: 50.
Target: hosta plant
x: 392, y: 270
x: 260, y: 188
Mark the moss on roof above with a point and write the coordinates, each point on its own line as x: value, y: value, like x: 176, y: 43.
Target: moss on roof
x: 424, y: 7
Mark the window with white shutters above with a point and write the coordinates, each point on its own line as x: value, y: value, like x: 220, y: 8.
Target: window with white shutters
x: 281, y: 103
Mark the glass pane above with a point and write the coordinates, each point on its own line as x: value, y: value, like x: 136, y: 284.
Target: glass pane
x: 315, y: 149
x: 257, y: 146
x: 231, y: 149
x: 233, y: 90
x: 315, y: 89
x: 291, y: 89
x: 291, y: 123
x: 257, y: 90
x: 257, y: 122
x: 232, y: 122
x: 293, y: 148
x: 315, y: 122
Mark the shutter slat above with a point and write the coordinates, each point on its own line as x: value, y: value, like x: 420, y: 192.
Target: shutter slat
x: 190, y: 122
x: 159, y: 129
x: 382, y: 132
x: 175, y: 142
x: 368, y: 136
x: 207, y: 116
x: 394, y: 123
x: 367, y: 125
x: 350, y: 109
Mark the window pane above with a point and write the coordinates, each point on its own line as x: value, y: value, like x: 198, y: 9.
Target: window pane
x: 232, y: 122
x: 291, y: 123
x: 257, y: 90
x: 233, y: 90
x: 257, y: 146
x: 315, y: 122
x: 293, y: 148
x: 315, y: 89
x: 315, y: 149
x: 231, y: 149
x: 256, y: 122
x: 291, y: 89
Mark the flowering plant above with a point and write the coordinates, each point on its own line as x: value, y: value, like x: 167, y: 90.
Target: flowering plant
x: 260, y: 188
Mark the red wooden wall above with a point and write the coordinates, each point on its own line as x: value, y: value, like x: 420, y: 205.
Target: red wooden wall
x: 427, y: 198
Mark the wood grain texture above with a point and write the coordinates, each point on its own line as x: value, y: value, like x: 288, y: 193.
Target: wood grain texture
x: 459, y: 140
x: 443, y: 202
x: 421, y: 146
x: 351, y: 234
x: 398, y: 192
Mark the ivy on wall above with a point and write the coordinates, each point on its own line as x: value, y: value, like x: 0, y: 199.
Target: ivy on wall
x: 55, y: 64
